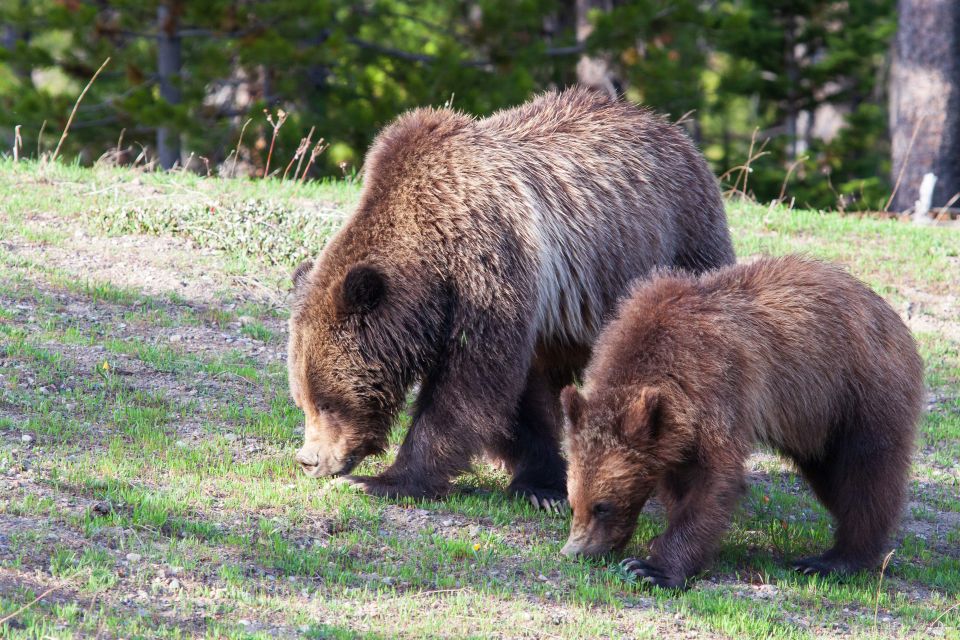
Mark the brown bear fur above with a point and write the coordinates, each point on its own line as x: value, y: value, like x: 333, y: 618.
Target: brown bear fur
x: 481, y: 262
x: 694, y: 373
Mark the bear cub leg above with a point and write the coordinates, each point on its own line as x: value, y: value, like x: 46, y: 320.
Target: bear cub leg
x: 865, y: 494
x: 700, y: 503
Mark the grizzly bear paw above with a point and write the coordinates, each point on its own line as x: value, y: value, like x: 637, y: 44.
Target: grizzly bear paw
x: 646, y: 573
x: 386, y: 487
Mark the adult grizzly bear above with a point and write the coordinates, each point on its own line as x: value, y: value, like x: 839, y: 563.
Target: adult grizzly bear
x: 481, y: 262
x: 694, y: 373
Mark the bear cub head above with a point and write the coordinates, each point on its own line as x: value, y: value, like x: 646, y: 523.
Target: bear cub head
x: 340, y: 391
x: 611, y: 440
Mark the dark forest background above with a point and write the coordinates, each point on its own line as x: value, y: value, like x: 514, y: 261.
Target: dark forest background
x: 832, y: 102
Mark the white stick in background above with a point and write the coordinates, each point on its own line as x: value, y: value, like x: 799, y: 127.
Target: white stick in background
x: 922, y: 206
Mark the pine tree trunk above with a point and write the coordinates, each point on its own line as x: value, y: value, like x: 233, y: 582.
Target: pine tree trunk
x: 168, y: 67
x: 14, y: 34
x: 925, y: 100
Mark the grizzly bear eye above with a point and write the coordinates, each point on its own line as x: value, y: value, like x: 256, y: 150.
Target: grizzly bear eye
x: 602, y: 509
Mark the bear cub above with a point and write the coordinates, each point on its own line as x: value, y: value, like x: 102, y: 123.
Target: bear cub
x: 696, y: 372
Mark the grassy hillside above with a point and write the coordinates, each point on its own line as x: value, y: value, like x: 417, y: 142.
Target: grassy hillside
x: 147, y: 483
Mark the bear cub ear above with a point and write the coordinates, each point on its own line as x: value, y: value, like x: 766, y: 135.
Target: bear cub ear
x: 642, y: 417
x: 299, y: 277
x: 363, y: 289
x: 574, y: 405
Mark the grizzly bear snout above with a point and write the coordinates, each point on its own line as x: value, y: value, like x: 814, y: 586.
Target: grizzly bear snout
x: 317, y: 461
x: 587, y: 544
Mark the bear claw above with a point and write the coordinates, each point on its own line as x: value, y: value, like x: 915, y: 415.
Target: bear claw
x: 347, y: 481
x: 388, y: 488
x: 550, y: 505
x: 550, y: 500
x: 821, y: 566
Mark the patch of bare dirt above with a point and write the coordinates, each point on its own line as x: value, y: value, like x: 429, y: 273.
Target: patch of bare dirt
x: 154, y: 265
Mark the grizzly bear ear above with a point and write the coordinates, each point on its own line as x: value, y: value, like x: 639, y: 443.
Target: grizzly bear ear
x: 574, y: 405
x: 299, y: 277
x: 364, y: 287
x: 642, y: 419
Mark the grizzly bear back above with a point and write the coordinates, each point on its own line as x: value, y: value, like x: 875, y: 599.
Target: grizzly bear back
x: 565, y: 199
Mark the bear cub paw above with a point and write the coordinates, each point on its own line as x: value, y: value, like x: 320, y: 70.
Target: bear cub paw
x: 826, y: 564
x: 646, y: 573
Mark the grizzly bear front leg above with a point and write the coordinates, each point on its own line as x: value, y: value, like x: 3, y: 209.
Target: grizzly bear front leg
x: 696, y: 522
x: 428, y: 459
x: 462, y: 407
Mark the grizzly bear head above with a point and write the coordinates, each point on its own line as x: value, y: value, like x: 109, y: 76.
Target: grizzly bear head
x: 336, y: 366
x: 610, y: 444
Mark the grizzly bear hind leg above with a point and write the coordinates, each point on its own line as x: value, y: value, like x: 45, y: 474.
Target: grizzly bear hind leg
x: 539, y: 472
x: 531, y: 451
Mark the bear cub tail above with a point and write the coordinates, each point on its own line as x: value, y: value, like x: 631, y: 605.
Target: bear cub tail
x: 695, y: 372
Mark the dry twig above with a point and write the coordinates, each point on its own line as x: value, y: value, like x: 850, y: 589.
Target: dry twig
x: 66, y: 129
x: 236, y: 152
x: 876, y: 602
x: 40, y: 597
x: 903, y: 167
x: 17, y: 143
x: 318, y: 148
x: 281, y: 118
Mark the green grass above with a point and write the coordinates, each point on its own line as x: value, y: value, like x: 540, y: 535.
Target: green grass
x: 159, y: 493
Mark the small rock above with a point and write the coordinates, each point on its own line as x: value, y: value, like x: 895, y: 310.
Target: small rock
x: 134, y: 557
x: 447, y: 523
x: 243, y: 623
x: 103, y: 508
x: 26, y: 438
x: 245, y: 320
x: 388, y: 581
x: 176, y: 337
x: 174, y: 584
x: 473, y: 531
